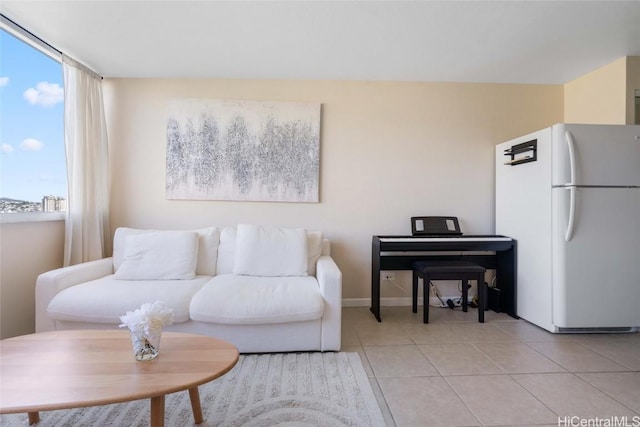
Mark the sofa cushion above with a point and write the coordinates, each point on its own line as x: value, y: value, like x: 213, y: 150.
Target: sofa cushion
x: 227, y: 249
x: 159, y: 255
x: 270, y: 251
x: 106, y: 299
x: 208, y: 241
x: 249, y: 300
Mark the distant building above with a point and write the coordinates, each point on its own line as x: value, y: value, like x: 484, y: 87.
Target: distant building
x: 54, y: 204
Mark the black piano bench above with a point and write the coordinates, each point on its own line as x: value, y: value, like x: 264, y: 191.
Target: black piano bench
x: 449, y: 270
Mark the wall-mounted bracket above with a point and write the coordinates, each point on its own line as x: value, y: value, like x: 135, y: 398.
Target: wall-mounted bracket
x: 522, y: 153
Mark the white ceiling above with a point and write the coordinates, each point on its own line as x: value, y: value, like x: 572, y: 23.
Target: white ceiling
x: 461, y: 41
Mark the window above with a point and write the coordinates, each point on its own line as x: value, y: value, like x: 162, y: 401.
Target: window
x: 33, y: 174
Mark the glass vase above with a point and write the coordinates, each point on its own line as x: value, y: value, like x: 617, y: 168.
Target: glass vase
x: 146, y: 346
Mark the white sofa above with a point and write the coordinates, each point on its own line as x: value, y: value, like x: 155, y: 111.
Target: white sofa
x: 264, y: 289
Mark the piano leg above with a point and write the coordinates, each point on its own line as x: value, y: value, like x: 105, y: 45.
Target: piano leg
x: 375, y: 280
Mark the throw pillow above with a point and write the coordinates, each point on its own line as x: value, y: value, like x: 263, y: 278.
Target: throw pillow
x: 159, y: 255
x: 208, y: 241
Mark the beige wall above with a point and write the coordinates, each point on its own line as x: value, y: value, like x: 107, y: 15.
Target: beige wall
x: 633, y: 84
x: 388, y: 151
x: 26, y: 250
x: 599, y: 97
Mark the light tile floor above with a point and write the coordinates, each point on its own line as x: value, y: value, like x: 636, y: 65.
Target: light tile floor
x: 505, y: 372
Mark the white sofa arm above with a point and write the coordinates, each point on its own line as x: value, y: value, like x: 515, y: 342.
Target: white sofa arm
x: 50, y: 283
x: 330, y: 280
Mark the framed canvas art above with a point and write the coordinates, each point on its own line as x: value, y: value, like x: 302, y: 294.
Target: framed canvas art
x: 243, y: 150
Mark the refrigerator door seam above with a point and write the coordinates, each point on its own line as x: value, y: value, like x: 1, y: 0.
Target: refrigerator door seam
x: 594, y: 186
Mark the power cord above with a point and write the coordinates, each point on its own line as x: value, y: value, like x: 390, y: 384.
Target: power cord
x: 453, y: 303
x: 436, y: 292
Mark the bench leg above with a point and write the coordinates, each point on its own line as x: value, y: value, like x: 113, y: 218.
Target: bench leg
x: 425, y: 297
x: 482, y: 298
x: 414, y: 293
x: 465, y: 295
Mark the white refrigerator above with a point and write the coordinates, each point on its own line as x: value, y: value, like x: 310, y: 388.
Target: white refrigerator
x: 570, y: 196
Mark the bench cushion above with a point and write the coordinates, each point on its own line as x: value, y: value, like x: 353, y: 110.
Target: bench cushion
x: 241, y: 300
x: 106, y: 299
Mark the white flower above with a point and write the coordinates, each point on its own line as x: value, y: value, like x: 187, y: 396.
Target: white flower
x: 150, y: 318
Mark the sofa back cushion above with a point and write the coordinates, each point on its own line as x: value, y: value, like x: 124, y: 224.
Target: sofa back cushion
x: 226, y: 250
x: 270, y: 251
x: 315, y: 242
x: 208, y: 241
x: 317, y: 245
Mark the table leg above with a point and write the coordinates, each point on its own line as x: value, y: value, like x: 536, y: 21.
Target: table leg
x: 194, y: 395
x: 157, y: 411
x: 34, y: 418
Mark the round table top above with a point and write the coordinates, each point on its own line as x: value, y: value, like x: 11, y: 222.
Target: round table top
x: 71, y: 369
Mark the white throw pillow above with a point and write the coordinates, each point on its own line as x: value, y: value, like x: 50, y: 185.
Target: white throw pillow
x: 208, y: 241
x: 159, y: 255
x: 270, y: 251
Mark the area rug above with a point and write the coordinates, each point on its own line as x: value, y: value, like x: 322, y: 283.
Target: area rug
x: 284, y: 389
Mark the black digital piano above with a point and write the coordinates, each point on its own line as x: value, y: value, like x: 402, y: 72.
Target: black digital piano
x: 490, y: 251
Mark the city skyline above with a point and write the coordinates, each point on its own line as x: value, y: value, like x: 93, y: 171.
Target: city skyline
x: 32, y: 158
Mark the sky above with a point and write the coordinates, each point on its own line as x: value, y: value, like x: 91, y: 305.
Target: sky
x: 32, y: 159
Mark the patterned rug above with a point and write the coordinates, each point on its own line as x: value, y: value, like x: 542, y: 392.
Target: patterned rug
x: 287, y: 389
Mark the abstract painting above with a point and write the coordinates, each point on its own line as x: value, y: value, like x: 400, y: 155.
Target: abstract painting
x: 243, y: 150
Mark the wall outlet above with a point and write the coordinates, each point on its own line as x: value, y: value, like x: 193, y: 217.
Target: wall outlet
x: 388, y: 275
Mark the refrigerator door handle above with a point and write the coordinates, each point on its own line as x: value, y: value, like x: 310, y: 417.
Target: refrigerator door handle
x: 572, y: 213
x: 571, y: 186
x: 572, y: 157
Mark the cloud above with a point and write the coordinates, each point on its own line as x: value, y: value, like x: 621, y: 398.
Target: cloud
x: 31, y: 144
x: 45, y: 94
x: 6, y: 148
x: 4, y: 81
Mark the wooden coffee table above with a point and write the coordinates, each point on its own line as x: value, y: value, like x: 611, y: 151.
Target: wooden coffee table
x: 73, y: 369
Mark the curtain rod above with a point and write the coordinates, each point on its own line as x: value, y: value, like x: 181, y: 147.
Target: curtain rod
x: 46, y: 48
x: 19, y: 30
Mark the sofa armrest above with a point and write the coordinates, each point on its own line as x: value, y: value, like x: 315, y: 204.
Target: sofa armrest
x: 330, y: 280
x: 51, y: 282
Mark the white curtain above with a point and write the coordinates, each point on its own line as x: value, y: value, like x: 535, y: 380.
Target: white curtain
x: 87, y: 230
